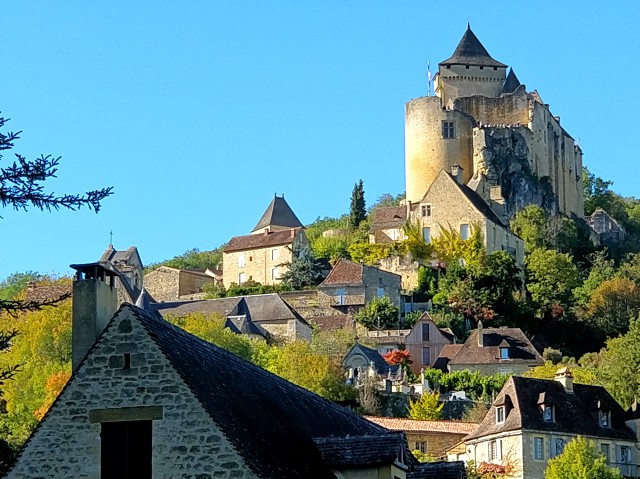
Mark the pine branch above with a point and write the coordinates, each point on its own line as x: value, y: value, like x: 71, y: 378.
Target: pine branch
x: 13, y: 307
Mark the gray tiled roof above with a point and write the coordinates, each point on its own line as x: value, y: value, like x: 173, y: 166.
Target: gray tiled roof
x: 439, y: 470
x: 372, y: 356
x: 278, y: 213
x: 389, y: 217
x: 511, y: 83
x: 574, y: 413
x: 376, y: 450
x: 471, y: 52
x: 271, y: 422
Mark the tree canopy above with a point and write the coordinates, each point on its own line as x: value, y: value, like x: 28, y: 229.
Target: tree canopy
x: 580, y: 459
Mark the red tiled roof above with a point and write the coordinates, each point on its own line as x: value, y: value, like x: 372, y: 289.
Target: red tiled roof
x: 412, y: 425
x: 39, y: 294
x: 262, y: 240
x: 344, y: 272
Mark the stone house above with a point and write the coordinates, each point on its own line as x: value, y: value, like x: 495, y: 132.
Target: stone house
x: 387, y: 224
x: 434, y: 438
x: 605, y: 228
x: 173, y: 284
x: 130, y: 271
x: 496, y: 350
x: 269, y: 312
x: 532, y: 420
x: 424, y: 341
x: 350, y: 286
x: 148, y: 400
x: 262, y: 255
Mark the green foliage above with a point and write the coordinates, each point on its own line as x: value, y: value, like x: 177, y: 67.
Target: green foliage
x: 598, y: 195
x: 612, y: 305
x: 303, y: 271
x: 320, y: 225
x: 357, y: 210
x: 530, y: 223
x: 372, y: 253
x: 415, y: 242
x: 193, y: 259
x: 387, y: 200
x: 214, y: 290
x: 253, y: 287
x: 580, y: 459
x: 602, y: 268
x: 427, y: 408
x: 410, y: 319
x: 15, y: 284
x: 331, y: 248
x: 581, y: 375
x: 474, y: 384
x: 380, y: 313
x: 449, y: 247
x: 551, y: 276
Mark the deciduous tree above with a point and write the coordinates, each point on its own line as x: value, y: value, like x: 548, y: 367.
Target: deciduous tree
x: 580, y: 459
x: 427, y: 408
x: 380, y: 313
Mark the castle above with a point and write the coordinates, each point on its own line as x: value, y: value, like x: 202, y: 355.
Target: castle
x: 504, y: 142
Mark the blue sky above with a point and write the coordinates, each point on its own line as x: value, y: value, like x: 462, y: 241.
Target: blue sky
x: 198, y: 112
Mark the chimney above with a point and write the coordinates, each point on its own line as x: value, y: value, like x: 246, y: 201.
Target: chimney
x: 94, y: 304
x: 564, y: 377
x: 456, y: 172
x: 480, y: 335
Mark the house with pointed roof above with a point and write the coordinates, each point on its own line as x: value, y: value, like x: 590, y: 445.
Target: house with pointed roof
x: 148, y: 400
x: 361, y: 360
x: 513, y: 151
x: 350, y: 286
x: 129, y: 266
x: 263, y: 255
x: 532, y: 420
x: 495, y: 350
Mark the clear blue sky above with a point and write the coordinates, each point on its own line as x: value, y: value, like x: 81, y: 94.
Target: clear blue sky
x: 198, y: 112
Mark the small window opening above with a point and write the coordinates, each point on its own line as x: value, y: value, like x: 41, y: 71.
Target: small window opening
x: 127, y: 361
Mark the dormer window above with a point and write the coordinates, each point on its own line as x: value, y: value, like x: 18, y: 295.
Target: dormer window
x: 504, y: 353
x: 500, y: 414
x: 547, y: 413
x: 604, y: 418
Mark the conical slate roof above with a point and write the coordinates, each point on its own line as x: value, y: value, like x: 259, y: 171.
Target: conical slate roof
x: 511, y: 83
x: 471, y: 52
x: 278, y: 213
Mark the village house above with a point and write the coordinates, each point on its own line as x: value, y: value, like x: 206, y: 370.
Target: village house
x: 262, y: 255
x: 424, y: 341
x: 172, y: 284
x: 433, y: 438
x: 532, y: 420
x: 350, y: 286
x: 148, y: 400
x: 494, y: 350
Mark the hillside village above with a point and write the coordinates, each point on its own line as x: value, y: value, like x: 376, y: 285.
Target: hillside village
x: 444, y: 293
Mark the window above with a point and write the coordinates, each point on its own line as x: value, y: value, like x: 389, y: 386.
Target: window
x: 538, y: 449
x: 380, y: 292
x: 421, y: 446
x: 125, y: 450
x: 275, y: 254
x: 425, y: 331
x: 448, y: 130
x: 494, y: 451
x: 500, y: 414
x: 241, y: 260
x: 606, y: 451
x: 275, y: 273
x: 464, y: 231
x: 559, y: 446
x: 426, y: 210
x: 504, y: 353
x: 242, y: 278
x: 426, y: 234
x: 625, y: 454
x: 604, y: 418
x: 547, y: 413
x: 426, y: 356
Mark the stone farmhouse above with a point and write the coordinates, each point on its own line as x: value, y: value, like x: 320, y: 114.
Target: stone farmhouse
x: 148, y: 400
x: 495, y: 350
x: 433, y: 438
x: 262, y: 255
x: 171, y: 284
x: 350, y: 286
x: 532, y: 420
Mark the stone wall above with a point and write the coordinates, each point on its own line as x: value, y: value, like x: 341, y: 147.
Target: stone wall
x: 186, y: 441
x: 436, y: 444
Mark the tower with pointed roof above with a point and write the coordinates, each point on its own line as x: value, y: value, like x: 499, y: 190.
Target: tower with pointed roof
x: 278, y: 216
x: 511, y: 149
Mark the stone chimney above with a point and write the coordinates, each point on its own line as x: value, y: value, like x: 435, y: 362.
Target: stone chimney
x: 564, y: 377
x: 94, y: 303
x: 480, y: 335
x: 456, y: 172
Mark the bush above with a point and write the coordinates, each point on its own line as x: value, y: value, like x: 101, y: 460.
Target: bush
x: 380, y: 313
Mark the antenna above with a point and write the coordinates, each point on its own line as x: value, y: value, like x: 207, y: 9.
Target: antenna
x: 111, y: 238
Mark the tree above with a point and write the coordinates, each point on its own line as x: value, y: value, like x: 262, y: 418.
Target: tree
x: 552, y: 276
x: 303, y: 271
x: 357, y: 211
x: 193, y: 259
x: 530, y: 223
x: 380, y: 313
x: 613, y: 304
x: 580, y: 459
x: 427, y: 408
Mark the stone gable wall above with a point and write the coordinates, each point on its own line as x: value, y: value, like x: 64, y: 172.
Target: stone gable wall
x: 186, y: 441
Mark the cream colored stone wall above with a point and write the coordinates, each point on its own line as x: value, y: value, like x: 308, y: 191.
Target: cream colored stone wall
x: 436, y: 444
x: 374, y: 279
x: 427, y: 152
x: 186, y: 442
x: 510, y: 453
x: 456, y: 81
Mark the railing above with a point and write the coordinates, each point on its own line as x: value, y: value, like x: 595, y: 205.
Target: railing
x: 386, y: 333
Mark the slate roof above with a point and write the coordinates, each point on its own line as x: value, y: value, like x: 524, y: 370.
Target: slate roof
x: 471, y: 52
x: 279, y: 214
x: 261, y: 240
x: 520, y: 348
x: 575, y: 414
x: 412, y: 425
x: 389, y: 217
x: 447, y: 354
x: 439, y: 470
x: 372, y: 356
x: 41, y: 293
x: 352, y: 452
x: 273, y: 423
x: 511, y: 83
x: 345, y: 272
x: 114, y: 256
